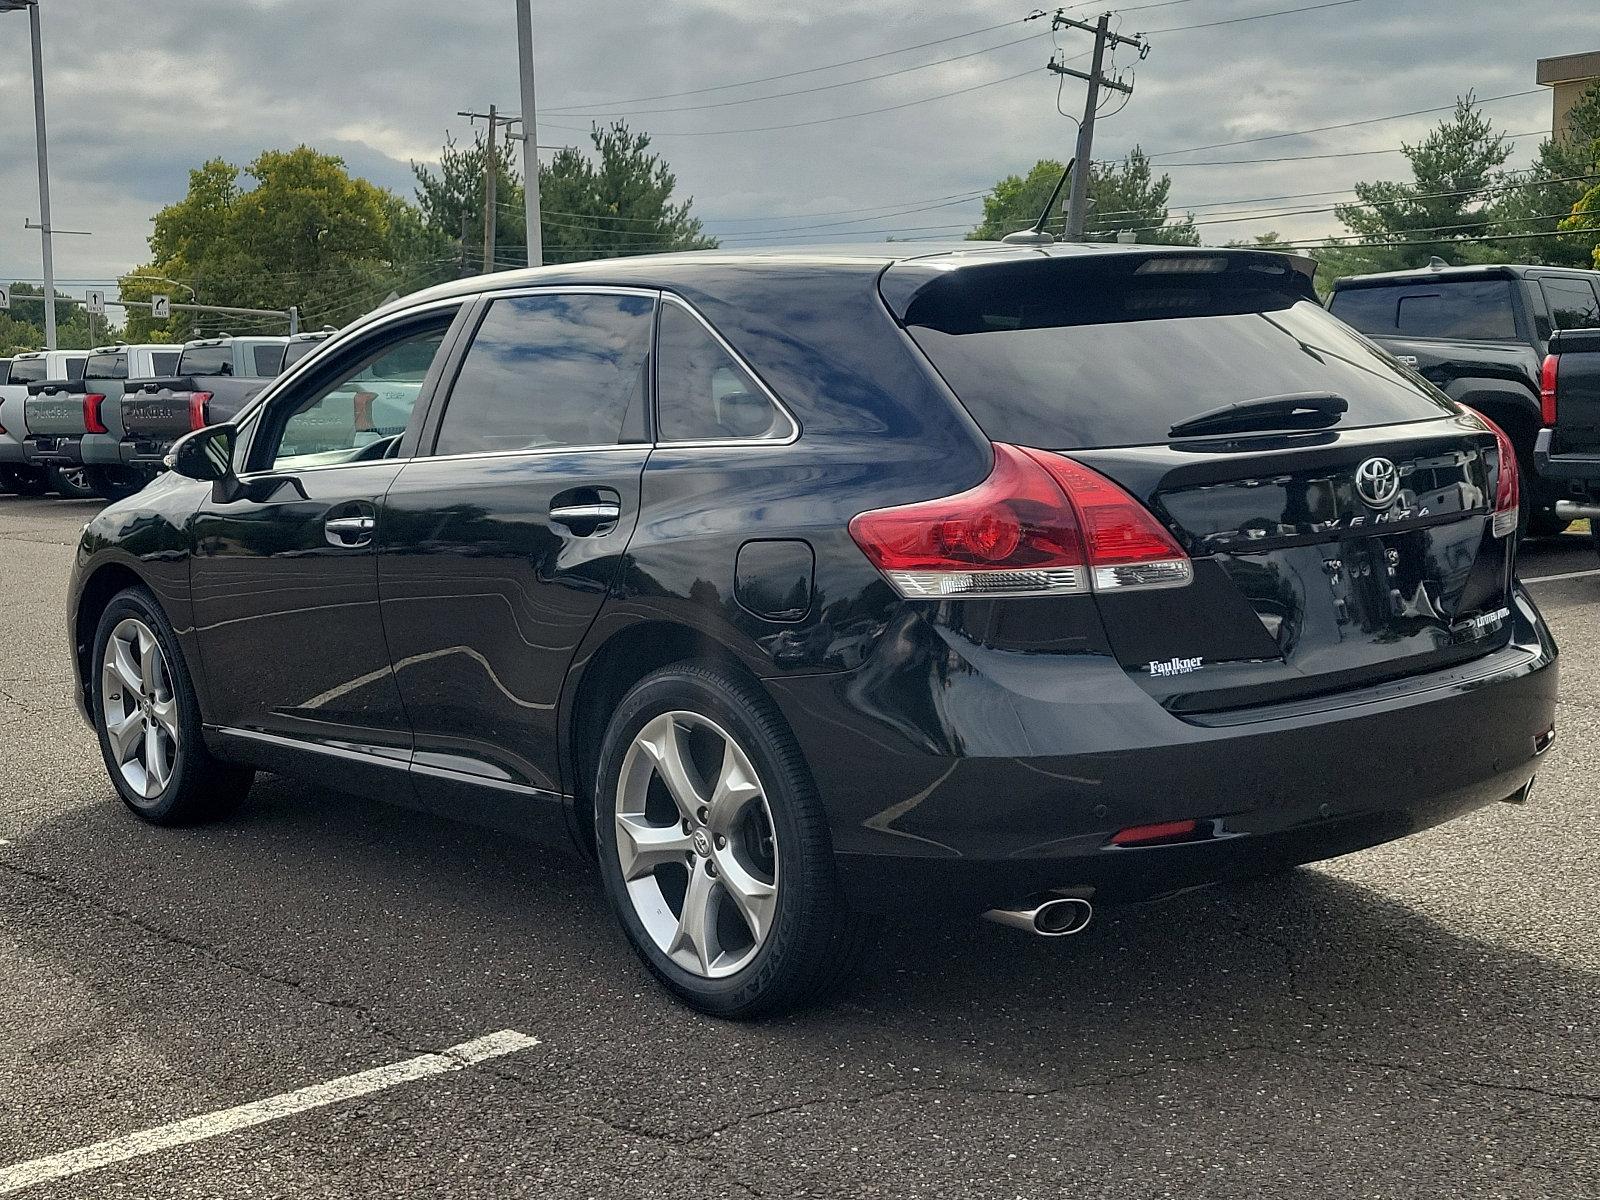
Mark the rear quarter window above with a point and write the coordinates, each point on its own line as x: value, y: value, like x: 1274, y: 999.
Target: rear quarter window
x: 1067, y: 355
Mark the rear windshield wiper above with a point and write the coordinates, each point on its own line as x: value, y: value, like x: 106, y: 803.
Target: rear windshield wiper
x: 1293, y: 410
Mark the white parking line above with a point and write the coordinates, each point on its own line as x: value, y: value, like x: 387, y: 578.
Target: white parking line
x: 259, y: 1112
x: 1567, y: 575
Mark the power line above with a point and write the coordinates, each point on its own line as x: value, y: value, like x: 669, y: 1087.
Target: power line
x: 1282, y: 12
x: 1269, y: 137
x: 827, y: 120
x: 823, y: 87
x: 848, y: 62
x: 1244, y: 162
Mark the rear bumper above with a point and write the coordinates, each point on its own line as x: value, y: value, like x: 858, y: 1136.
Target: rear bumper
x: 101, y: 449
x: 1566, y: 474
x: 48, y: 451
x: 915, y: 831
x: 143, y: 452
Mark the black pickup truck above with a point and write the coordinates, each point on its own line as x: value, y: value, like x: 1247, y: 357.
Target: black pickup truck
x: 1480, y: 334
x: 1568, y: 451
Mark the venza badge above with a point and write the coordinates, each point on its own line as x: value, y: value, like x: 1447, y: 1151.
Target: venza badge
x: 1377, y: 482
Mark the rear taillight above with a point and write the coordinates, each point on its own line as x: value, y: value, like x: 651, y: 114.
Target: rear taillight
x: 197, y: 409
x: 1508, y: 481
x: 1547, y: 390
x: 92, y: 422
x: 1039, y: 525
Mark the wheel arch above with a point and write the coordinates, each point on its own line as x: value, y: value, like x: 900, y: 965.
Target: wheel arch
x: 605, y: 674
x: 106, y: 582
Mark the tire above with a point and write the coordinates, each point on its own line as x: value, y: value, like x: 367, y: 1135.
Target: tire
x: 117, y: 483
x: 24, y: 481
x: 1543, y: 522
x: 193, y: 786
x: 74, y: 483
x: 1594, y: 535
x: 770, y: 833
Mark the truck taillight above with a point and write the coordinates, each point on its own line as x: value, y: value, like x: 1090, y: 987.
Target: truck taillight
x: 197, y: 409
x: 1508, y: 481
x: 92, y: 422
x: 1547, y: 390
x: 1039, y: 525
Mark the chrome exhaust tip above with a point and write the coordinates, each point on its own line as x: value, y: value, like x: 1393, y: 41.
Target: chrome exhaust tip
x: 1050, y: 916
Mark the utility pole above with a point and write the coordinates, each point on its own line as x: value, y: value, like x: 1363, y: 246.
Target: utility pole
x: 44, y: 174
x: 1078, y: 199
x: 491, y: 172
x: 530, y: 137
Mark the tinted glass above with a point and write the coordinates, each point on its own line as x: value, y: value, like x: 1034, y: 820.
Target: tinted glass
x: 268, y: 360
x: 362, y: 412
x: 1470, y: 309
x: 1370, y: 310
x: 551, y: 370
x: 206, y: 360
x: 74, y: 369
x: 165, y: 362
x: 27, y: 370
x: 295, y: 351
x: 702, y: 393
x: 106, y: 366
x: 1573, y: 303
x: 1116, y: 360
x: 5, y: 371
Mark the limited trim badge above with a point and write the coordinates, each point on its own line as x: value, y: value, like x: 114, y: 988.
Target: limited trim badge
x: 1377, y: 482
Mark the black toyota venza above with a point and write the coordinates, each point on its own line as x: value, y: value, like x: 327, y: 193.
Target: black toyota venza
x: 796, y: 587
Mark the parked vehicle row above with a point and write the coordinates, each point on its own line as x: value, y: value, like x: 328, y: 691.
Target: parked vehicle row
x: 1568, y: 451
x: 793, y: 589
x: 100, y: 422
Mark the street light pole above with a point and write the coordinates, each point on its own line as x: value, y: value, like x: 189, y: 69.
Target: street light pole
x: 530, y: 136
x: 44, y: 165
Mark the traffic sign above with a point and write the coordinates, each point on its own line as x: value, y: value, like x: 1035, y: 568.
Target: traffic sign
x: 5, y: 297
x: 95, y: 301
x: 160, y: 307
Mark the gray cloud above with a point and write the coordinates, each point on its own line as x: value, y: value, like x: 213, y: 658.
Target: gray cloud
x: 380, y: 81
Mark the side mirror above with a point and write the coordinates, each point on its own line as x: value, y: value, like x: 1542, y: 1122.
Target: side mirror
x: 206, y: 454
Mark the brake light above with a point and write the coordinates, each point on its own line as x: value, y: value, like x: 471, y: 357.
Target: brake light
x: 1508, y: 481
x: 92, y: 422
x: 1039, y: 525
x: 1547, y: 390
x: 197, y: 409
x: 1163, y: 831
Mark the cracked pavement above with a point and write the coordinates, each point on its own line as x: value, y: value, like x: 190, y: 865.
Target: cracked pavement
x: 1418, y: 1020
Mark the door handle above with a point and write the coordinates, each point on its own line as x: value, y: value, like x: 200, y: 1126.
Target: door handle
x: 586, y: 514
x: 349, y: 531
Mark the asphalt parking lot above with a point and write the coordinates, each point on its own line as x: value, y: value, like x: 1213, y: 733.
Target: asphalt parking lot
x: 1419, y: 1020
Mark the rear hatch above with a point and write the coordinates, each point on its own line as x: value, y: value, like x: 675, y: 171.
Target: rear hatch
x: 1573, y: 377
x: 1341, y: 529
x: 55, y: 409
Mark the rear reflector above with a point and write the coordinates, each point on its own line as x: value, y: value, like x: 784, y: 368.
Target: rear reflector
x: 1547, y: 390
x: 92, y: 422
x: 1508, y: 481
x: 197, y: 409
x: 1039, y: 525
x: 1138, y: 835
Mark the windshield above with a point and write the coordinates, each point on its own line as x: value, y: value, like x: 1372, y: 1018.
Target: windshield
x: 1066, y: 359
x: 1464, y: 309
x: 106, y: 366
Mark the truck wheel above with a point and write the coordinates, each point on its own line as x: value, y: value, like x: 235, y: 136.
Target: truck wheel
x: 24, y: 481
x: 117, y: 483
x: 75, y: 483
x: 1543, y: 522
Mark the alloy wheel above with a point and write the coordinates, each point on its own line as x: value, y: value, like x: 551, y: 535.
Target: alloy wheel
x: 139, y: 708
x: 696, y: 845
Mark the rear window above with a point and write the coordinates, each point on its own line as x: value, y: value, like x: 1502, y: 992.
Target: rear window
x: 74, y: 369
x: 268, y: 360
x: 1467, y: 309
x: 27, y: 370
x: 206, y: 360
x: 164, y: 362
x: 1068, y: 355
x: 106, y: 366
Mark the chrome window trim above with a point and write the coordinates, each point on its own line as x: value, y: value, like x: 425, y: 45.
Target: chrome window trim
x: 707, y: 443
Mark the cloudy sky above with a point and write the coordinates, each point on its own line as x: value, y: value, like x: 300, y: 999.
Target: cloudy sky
x: 140, y: 91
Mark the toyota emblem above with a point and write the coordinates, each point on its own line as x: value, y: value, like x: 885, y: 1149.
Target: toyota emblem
x: 1377, y: 482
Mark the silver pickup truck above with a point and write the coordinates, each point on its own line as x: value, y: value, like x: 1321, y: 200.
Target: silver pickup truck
x: 214, y: 379
x: 78, y: 423
x: 16, y: 474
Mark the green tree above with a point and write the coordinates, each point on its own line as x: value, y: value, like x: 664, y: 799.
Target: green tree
x: 1586, y: 215
x: 1440, y: 211
x: 1122, y: 196
x: 615, y: 201
x: 306, y: 233
x: 1545, y: 196
x: 22, y: 327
